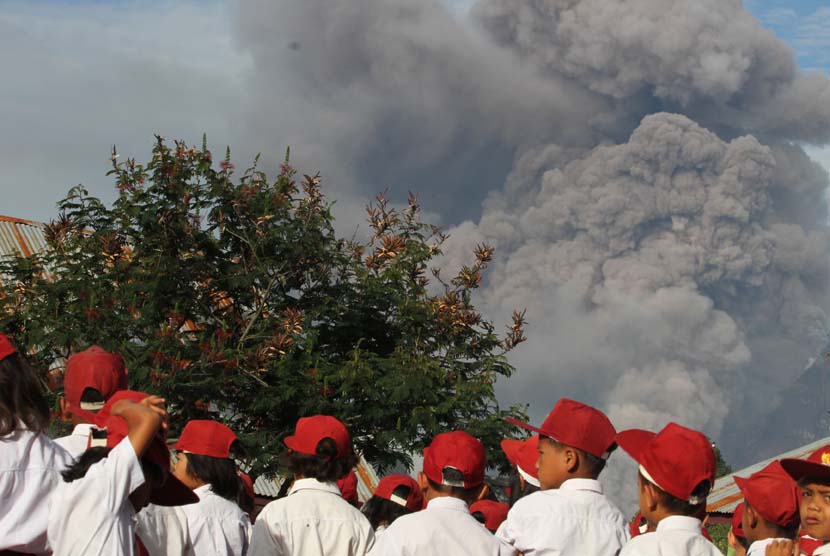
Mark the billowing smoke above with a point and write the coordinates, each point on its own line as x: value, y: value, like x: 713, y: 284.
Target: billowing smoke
x: 661, y: 220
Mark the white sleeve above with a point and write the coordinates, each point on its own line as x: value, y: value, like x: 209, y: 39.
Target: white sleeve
x: 385, y: 545
x: 117, y: 476
x: 506, y: 533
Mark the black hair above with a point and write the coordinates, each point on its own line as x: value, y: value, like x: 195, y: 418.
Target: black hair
x: 781, y: 532
x: 480, y: 517
x: 219, y: 473
x: 22, y: 397
x: 677, y: 506
x: 91, y: 395
x: 379, y: 510
x: 243, y: 499
x: 454, y: 475
x: 327, y: 466
x: 80, y: 465
x: 743, y: 541
x: 517, y: 491
x: 594, y: 465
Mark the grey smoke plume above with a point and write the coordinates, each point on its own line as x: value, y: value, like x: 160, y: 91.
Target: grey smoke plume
x: 400, y: 94
x: 708, y: 59
x: 661, y: 222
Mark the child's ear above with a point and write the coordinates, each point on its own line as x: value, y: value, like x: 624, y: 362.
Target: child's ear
x: 571, y: 459
x: 482, y: 494
x: 423, y: 483
x: 750, y: 516
x: 66, y: 416
x: 650, y: 496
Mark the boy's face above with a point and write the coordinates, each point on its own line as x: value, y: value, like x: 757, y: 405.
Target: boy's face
x: 552, y: 464
x: 815, y: 510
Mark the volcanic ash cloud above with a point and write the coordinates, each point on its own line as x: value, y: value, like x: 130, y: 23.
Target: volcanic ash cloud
x: 652, y: 270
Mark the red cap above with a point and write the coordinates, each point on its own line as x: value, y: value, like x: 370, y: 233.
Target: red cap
x: 206, y: 438
x: 93, y: 368
x: 817, y: 465
x: 6, y: 347
x: 173, y: 492
x: 738, y: 521
x: 386, y: 490
x: 772, y: 493
x: 577, y: 425
x: 523, y: 454
x: 248, y: 484
x: 676, y: 459
x: 348, y: 488
x: 311, y: 430
x: 458, y: 450
x: 494, y: 513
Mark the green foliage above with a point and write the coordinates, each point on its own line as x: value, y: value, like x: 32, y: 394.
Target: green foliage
x: 719, y: 532
x: 721, y: 467
x: 233, y: 298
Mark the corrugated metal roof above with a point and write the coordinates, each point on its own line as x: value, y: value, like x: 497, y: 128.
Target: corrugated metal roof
x: 367, y: 482
x: 20, y: 236
x: 726, y: 496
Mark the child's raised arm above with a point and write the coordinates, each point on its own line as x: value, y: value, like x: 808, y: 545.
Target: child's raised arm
x: 143, y: 420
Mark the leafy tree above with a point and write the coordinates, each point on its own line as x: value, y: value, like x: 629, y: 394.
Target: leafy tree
x: 232, y: 297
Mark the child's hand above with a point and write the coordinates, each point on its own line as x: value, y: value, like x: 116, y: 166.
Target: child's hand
x: 783, y: 548
x: 156, y: 403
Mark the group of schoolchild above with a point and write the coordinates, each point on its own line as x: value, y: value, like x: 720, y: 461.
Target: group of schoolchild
x: 110, y: 488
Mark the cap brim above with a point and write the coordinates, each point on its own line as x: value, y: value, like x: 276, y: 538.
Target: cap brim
x: 527, y: 426
x: 173, y: 493
x: 800, y: 468
x: 741, y: 483
x: 634, y: 442
x: 291, y: 442
x: 511, y: 448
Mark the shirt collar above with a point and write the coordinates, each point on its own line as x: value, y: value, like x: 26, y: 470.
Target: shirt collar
x: 760, y: 547
x: 203, y: 490
x: 582, y: 484
x: 82, y: 429
x: 313, y: 484
x: 449, y: 503
x: 679, y: 523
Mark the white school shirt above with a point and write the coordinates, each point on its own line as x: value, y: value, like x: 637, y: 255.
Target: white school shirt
x: 216, y: 525
x: 823, y: 550
x: 30, y: 466
x: 93, y: 515
x: 759, y: 548
x: 445, y: 527
x: 313, y: 520
x: 675, y: 535
x: 163, y: 531
x: 77, y: 442
x: 575, y: 518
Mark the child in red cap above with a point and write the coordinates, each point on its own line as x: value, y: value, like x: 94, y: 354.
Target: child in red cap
x: 453, y: 477
x: 770, y: 510
x: 570, y: 515
x: 395, y: 496
x: 676, y: 473
x: 30, y: 463
x: 523, y: 454
x: 489, y: 513
x: 93, y: 511
x: 813, y: 478
x: 314, y: 519
x: 91, y: 378
x: 216, y: 524
x: 736, y: 537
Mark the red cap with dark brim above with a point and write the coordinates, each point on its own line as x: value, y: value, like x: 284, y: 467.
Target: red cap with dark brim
x: 311, y: 430
x: 772, y: 493
x: 173, y: 492
x: 206, y: 438
x: 494, y: 513
x: 387, y: 486
x: 93, y: 368
x: 816, y: 466
x: 458, y: 450
x: 348, y: 487
x: 676, y: 459
x: 523, y: 454
x: 577, y: 425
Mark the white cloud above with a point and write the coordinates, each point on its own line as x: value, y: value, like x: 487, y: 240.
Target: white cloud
x: 79, y: 78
